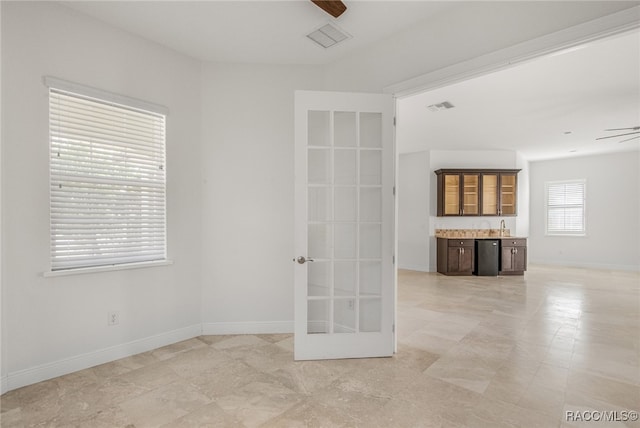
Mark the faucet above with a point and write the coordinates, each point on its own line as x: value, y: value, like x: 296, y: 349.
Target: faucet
x: 502, y: 227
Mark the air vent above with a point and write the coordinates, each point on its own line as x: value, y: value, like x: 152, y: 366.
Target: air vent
x: 328, y: 35
x: 445, y: 105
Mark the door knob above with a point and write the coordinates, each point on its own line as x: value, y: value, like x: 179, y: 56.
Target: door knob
x: 302, y: 260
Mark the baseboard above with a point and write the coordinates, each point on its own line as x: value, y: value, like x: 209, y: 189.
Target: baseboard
x: 3, y: 385
x: 80, y: 362
x: 257, y: 327
x: 417, y: 268
x: 599, y: 266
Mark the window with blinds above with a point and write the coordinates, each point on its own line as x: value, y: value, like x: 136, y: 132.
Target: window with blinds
x: 566, y: 207
x: 107, y: 182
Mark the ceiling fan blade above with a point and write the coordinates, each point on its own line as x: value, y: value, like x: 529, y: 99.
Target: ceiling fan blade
x: 619, y: 135
x: 635, y: 128
x: 629, y: 139
x: 334, y: 8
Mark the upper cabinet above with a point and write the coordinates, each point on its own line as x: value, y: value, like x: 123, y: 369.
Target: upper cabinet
x: 477, y: 192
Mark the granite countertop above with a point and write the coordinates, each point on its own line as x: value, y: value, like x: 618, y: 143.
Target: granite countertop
x: 474, y: 234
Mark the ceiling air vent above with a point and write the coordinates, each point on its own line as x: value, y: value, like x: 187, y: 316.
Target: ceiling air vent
x: 445, y: 105
x: 328, y: 35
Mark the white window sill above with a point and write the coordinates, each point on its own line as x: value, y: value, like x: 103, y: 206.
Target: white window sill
x: 108, y: 268
x: 575, y: 235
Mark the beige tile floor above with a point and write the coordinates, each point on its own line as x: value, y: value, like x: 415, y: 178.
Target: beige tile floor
x: 473, y: 352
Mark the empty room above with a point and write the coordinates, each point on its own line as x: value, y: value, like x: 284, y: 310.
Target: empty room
x: 320, y: 213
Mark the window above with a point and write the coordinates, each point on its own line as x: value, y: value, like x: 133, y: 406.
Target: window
x: 107, y: 178
x: 565, y: 201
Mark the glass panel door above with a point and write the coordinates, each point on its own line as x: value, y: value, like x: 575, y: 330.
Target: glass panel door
x: 452, y: 194
x: 470, y: 194
x: 507, y: 194
x: 345, y: 281
x: 490, y: 194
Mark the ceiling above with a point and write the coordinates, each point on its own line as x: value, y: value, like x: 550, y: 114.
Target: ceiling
x: 555, y: 106
x: 528, y: 108
x: 258, y: 31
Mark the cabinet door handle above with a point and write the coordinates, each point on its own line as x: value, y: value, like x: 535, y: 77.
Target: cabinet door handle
x: 516, y: 250
x: 462, y: 250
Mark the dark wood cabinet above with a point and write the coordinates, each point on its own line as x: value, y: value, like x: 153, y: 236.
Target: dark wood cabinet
x: 477, y: 192
x: 455, y: 256
x: 513, y: 256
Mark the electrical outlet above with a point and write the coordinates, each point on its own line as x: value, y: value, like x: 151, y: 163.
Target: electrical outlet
x: 113, y: 318
x: 351, y: 304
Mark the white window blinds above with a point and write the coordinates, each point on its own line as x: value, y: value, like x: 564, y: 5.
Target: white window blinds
x: 565, y: 207
x: 107, y: 182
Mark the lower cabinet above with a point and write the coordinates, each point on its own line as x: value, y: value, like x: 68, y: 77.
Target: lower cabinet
x: 513, y: 256
x: 455, y: 256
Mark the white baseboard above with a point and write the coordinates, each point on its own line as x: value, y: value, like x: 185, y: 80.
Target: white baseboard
x: 79, y: 362
x: 257, y: 327
x: 418, y: 268
x: 585, y: 265
x: 3, y: 385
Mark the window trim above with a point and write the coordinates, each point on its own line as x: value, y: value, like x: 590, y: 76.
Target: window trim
x: 122, y: 102
x: 581, y: 233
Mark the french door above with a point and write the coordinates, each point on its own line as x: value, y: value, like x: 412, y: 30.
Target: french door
x: 344, y: 225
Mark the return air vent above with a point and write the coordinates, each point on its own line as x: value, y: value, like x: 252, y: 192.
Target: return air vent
x: 328, y: 35
x: 445, y: 105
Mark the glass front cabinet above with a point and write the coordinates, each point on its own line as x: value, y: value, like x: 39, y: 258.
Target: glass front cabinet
x: 477, y: 192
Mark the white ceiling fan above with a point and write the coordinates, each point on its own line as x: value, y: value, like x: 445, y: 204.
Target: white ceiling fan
x: 635, y: 130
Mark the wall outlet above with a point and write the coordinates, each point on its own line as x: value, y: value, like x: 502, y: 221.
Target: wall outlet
x: 351, y: 304
x: 113, y: 318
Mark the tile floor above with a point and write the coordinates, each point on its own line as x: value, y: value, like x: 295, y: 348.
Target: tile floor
x: 473, y: 352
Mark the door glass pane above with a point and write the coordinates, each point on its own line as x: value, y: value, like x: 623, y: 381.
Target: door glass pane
x: 344, y: 278
x: 345, y: 167
x: 370, y: 130
x: 318, y: 128
x: 344, y: 129
x: 370, y: 204
x: 318, y: 278
x: 451, y: 194
x: 370, y: 239
x: 370, y: 315
x: 319, y: 170
x: 345, y: 241
x: 470, y: 187
x: 319, y: 204
x: 490, y: 194
x: 370, y: 167
x: 319, y: 241
x: 345, y: 204
x: 344, y: 316
x: 508, y: 194
x: 370, y: 274
x: 318, y: 316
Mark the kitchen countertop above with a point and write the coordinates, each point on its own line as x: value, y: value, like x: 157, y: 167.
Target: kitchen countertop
x: 474, y: 234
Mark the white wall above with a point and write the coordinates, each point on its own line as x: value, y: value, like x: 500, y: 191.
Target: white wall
x: 413, y: 195
x: 48, y: 321
x: 247, y: 162
x: 612, y: 212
